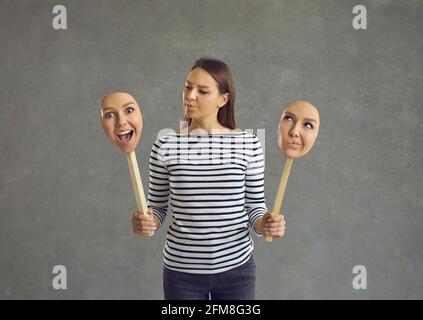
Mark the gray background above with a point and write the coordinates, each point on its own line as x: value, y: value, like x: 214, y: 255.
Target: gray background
x: 65, y: 191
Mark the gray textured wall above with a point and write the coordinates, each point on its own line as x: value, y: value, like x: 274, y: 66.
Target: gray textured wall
x: 356, y: 199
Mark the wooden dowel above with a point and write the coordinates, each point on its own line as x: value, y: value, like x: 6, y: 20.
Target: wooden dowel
x: 281, y: 191
x: 136, y: 182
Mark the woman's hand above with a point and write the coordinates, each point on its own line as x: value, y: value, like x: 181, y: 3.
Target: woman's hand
x: 269, y: 225
x: 144, y: 224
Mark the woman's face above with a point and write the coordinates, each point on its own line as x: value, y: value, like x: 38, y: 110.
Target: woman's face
x: 201, y: 96
x: 298, y: 129
x: 121, y: 120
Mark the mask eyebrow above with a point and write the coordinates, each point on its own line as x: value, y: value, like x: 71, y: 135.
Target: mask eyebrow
x: 123, y: 106
x: 305, y: 119
x: 127, y: 104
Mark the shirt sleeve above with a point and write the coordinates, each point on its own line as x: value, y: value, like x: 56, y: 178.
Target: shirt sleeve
x: 158, y: 188
x: 255, y: 202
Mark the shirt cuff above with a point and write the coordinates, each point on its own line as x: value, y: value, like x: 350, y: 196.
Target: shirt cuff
x: 253, y: 222
x: 158, y: 215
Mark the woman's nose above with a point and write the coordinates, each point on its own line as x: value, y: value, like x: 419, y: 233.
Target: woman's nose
x: 191, y: 95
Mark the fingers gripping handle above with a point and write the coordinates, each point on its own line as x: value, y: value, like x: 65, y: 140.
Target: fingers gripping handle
x: 136, y: 182
x: 281, y: 191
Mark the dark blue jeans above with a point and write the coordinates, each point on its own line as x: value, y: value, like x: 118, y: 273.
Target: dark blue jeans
x: 236, y: 284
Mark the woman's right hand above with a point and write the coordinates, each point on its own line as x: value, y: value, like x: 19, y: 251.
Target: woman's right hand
x: 144, y: 224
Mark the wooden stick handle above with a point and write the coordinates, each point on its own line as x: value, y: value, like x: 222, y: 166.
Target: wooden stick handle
x: 136, y: 182
x: 281, y: 191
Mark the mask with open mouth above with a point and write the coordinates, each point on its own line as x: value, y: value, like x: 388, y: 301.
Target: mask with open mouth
x: 121, y: 119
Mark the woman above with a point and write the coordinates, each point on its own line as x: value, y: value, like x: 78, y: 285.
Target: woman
x: 213, y: 175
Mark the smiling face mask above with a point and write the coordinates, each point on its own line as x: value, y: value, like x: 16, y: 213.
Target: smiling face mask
x: 121, y: 120
x: 298, y: 129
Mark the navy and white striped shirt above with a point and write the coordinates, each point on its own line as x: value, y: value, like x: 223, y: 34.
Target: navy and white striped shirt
x: 215, y: 183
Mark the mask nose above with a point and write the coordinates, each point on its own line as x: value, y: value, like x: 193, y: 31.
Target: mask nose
x: 293, y: 133
x: 122, y: 122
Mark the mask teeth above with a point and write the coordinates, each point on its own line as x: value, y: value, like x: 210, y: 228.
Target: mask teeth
x: 126, y: 132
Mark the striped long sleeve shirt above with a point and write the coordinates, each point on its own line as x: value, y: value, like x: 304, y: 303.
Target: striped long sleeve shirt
x: 215, y: 184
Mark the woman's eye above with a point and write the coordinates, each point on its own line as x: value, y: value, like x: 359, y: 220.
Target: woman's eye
x: 287, y: 117
x: 130, y: 110
x: 203, y: 92
x: 187, y: 87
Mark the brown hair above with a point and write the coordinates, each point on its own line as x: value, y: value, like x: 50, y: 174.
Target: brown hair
x: 225, y: 84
